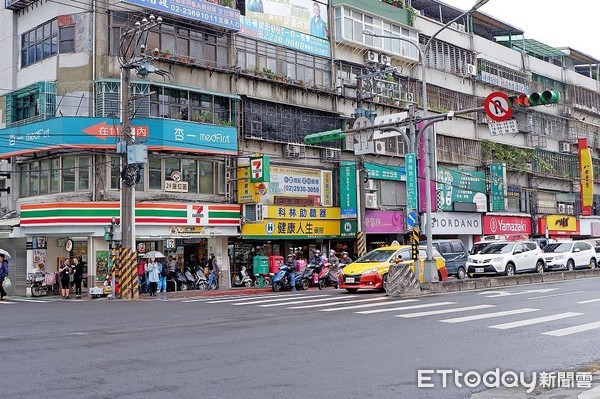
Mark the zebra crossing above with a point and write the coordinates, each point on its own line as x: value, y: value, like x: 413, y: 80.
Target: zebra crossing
x: 416, y: 308
x: 13, y: 300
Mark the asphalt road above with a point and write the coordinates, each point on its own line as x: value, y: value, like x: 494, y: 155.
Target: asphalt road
x: 316, y: 344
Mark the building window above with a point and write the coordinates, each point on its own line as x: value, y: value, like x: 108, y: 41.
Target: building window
x: 33, y: 103
x: 42, y: 42
x: 115, y: 173
x: 66, y: 42
x: 155, y: 173
x: 61, y: 174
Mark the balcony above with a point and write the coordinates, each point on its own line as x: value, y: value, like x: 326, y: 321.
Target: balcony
x: 17, y: 5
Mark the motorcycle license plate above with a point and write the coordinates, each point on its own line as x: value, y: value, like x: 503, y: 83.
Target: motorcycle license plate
x: 479, y: 270
x: 349, y: 279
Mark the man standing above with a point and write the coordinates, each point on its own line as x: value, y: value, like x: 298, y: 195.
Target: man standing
x: 3, y: 275
x: 77, y: 276
x: 318, y: 27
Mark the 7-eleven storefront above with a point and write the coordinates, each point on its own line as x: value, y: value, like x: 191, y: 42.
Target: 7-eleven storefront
x: 55, y: 231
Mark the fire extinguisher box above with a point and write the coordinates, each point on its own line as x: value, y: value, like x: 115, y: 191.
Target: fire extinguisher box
x: 274, y: 262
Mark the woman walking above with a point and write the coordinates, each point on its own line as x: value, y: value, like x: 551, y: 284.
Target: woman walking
x: 64, y: 271
x: 3, y: 275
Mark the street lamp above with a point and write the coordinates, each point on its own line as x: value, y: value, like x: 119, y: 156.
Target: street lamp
x: 430, y: 271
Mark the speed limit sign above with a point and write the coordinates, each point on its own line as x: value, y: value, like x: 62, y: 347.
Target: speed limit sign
x: 496, y: 107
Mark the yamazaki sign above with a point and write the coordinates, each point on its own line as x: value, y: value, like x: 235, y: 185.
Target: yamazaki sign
x: 506, y: 225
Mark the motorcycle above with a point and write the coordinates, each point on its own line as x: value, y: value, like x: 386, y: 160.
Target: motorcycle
x: 243, y: 279
x: 266, y: 280
x: 201, y: 282
x: 182, y: 281
x: 281, y: 280
x: 326, y: 277
x: 41, y: 283
x: 310, y: 276
x: 191, y: 279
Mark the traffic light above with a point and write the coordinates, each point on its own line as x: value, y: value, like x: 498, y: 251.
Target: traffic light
x: 108, y: 232
x: 534, y: 99
x: 415, y: 251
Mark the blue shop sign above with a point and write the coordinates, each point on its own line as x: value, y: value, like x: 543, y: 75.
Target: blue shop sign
x: 197, y: 10
x: 103, y: 133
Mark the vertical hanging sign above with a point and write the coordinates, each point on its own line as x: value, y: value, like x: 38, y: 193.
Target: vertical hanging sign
x: 259, y: 169
x: 348, y: 189
x: 499, y: 199
x: 411, y: 181
x: 586, y: 172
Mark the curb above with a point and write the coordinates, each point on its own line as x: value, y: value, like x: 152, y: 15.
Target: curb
x: 503, y: 281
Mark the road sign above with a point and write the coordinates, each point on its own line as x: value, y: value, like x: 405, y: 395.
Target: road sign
x: 496, y: 107
x: 411, y: 181
x: 363, y: 141
x: 506, y: 127
x: 411, y: 219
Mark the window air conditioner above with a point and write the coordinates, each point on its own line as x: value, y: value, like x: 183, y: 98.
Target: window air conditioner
x: 330, y: 155
x: 461, y: 27
x: 372, y: 57
x: 562, y: 208
x: 371, y: 201
x: 471, y: 69
x: 380, y: 147
x: 570, y: 209
x: 564, y: 146
x: 293, y: 150
x: 371, y: 185
x: 253, y: 213
x: 385, y: 60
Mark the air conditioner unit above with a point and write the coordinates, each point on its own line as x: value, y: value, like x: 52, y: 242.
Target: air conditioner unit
x: 380, y: 147
x: 371, y: 185
x: 562, y: 208
x: 471, y: 69
x: 461, y: 27
x: 371, y: 201
x: 293, y: 150
x: 385, y: 60
x: 570, y: 209
x: 372, y: 57
x: 564, y: 146
x: 330, y: 155
x: 253, y: 213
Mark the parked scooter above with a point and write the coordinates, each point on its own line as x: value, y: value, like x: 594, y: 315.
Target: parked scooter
x: 326, y: 277
x: 242, y: 279
x: 201, y: 282
x: 182, y: 281
x: 281, y: 279
x: 267, y: 280
x: 191, y: 279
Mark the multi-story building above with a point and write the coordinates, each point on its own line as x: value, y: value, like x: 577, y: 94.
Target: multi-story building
x: 243, y: 81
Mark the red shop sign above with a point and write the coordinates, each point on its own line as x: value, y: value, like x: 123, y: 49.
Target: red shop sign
x: 506, y: 225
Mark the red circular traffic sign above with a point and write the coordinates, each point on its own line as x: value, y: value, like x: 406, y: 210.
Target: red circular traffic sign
x: 496, y: 107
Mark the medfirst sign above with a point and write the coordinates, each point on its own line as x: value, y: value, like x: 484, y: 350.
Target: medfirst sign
x: 506, y: 225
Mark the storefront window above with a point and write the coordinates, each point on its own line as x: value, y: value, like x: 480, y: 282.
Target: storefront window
x: 68, y: 174
x: 34, y: 178
x: 55, y: 175
x: 154, y: 173
x: 190, y: 174
x: 206, y: 177
x: 44, y: 176
x: 171, y: 165
x: 84, y: 173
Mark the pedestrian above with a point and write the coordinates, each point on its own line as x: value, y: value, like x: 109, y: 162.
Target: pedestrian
x: 213, y: 272
x: 64, y: 272
x: 77, y: 276
x: 3, y: 275
x: 142, y: 280
x: 335, y: 268
x: 346, y: 259
x: 162, y: 277
x: 152, y: 270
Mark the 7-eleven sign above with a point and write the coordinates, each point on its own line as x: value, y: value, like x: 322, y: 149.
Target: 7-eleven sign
x: 200, y: 215
x: 259, y: 169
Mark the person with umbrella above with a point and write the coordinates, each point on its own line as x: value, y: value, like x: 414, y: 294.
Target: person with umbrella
x: 3, y: 273
x: 152, y: 270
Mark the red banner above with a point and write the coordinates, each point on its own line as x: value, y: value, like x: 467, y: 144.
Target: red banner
x: 505, y: 225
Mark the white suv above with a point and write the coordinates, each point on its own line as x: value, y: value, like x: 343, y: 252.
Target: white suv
x: 570, y: 255
x: 507, y: 258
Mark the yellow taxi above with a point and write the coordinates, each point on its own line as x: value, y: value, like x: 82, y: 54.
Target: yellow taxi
x: 371, y: 270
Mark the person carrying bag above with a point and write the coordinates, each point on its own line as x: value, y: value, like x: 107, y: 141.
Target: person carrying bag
x: 4, y: 276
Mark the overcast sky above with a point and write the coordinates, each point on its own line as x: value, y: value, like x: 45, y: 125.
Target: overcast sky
x: 572, y: 23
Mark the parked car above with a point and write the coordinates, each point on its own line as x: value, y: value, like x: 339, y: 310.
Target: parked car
x: 479, y: 246
x: 455, y: 255
x: 570, y: 255
x: 371, y: 270
x: 507, y: 258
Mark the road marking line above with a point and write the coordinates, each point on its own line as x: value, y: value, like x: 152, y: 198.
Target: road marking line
x: 30, y: 300
x: 250, y: 298
x: 572, y: 330
x: 488, y: 315
x: 590, y: 301
x: 454, y: 310
x: 553, y: 295
x: 322, y: 305
x: 303, y: 301
x: 515, y: 324
x: 368, y: 305
x: 6, y: 303
x: 265, y: 301
x: 423, y: 305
